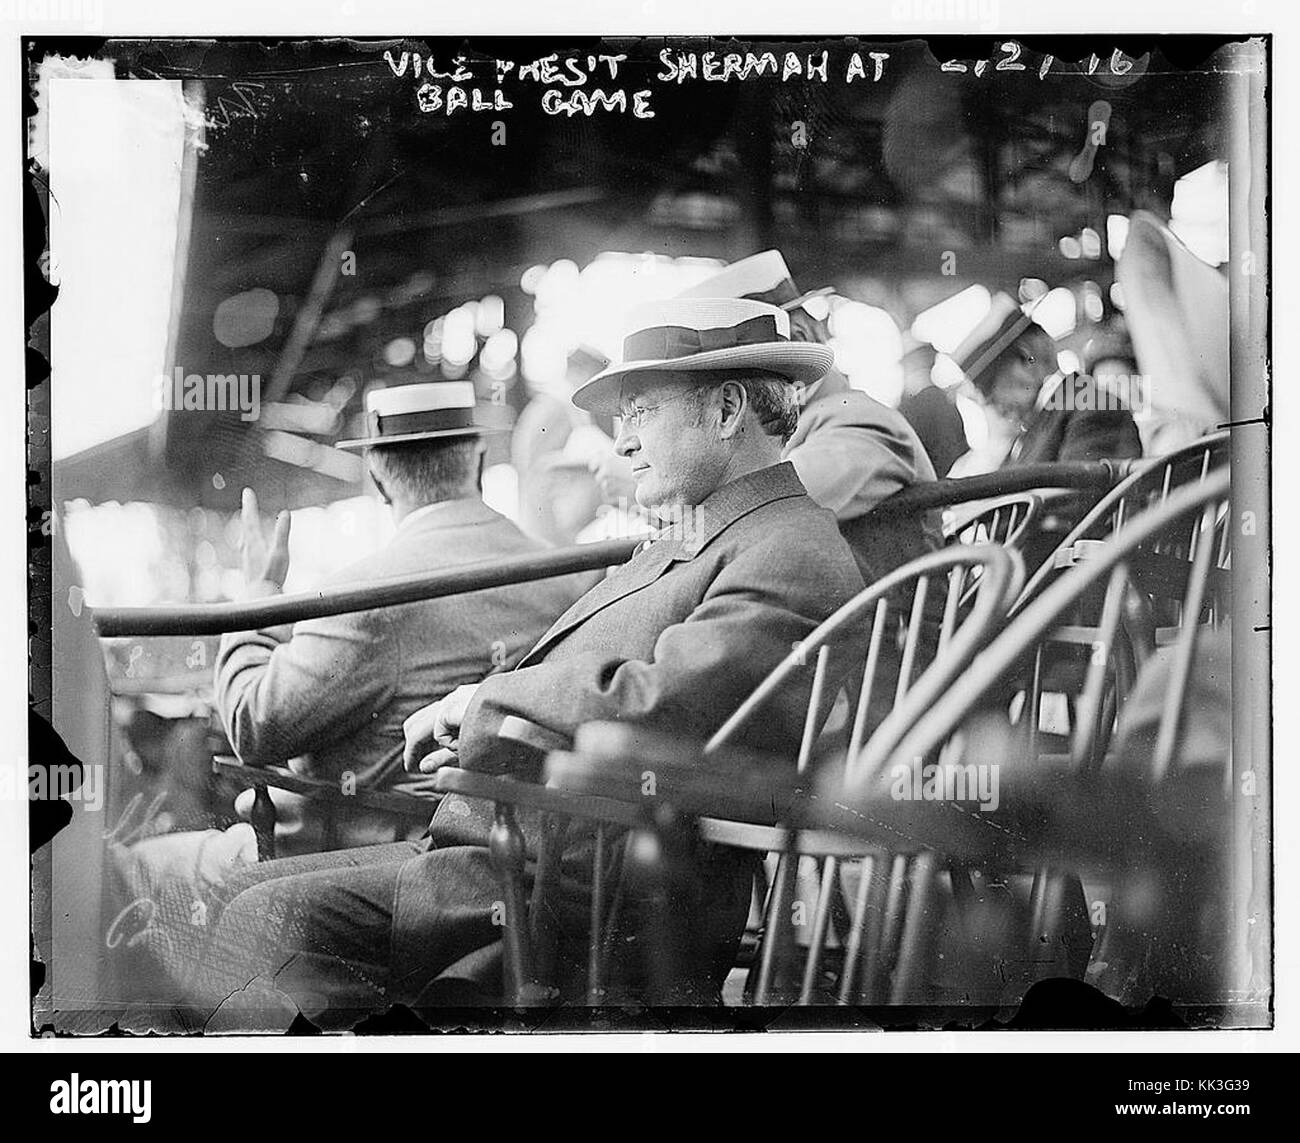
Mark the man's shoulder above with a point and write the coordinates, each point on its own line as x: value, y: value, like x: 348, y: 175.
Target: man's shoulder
x: 427, y: 548
x: 789, y: 529
x: 481, y: 527
x: 430, y: 543
x: 799, y: 517
x: 857, y: 410
x: 852, y: 407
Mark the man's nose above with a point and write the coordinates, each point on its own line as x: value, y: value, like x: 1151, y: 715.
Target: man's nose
x: 626, y: 442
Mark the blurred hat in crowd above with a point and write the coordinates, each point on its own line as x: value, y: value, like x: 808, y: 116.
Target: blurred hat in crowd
x: 705, y: 335
x: 995, y: 333
x: 1176, y: 308
x: 761, y: 278
x: 424, y: 411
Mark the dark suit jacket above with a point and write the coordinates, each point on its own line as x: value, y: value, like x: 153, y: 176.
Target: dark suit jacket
x: 674, y: 639
x: 679, y: 635
x: 933, y: 416
x: 1066, y: 434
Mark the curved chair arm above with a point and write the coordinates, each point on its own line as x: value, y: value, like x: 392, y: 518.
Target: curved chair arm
x: 998, y: 586
x: 619, y: 773
x: 950, y: 491
x: 261, y: 779
x: 1019, y: 510
x: 1104, y: 819
x: 730, y: 784
x: 531, y: 796
x: 1136, y: 474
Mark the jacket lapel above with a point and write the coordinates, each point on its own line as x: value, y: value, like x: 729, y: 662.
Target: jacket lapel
x: 677, y: 542
x: 640, y: 571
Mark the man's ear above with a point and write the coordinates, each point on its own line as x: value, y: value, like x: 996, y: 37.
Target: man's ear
x: 733, y: 401
x: 379, y: 486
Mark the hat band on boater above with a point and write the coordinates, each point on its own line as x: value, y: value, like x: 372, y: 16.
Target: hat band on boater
x: 425, y: 421
x: 666, y: 342
x: 995, y: 347
x: 779, y: 295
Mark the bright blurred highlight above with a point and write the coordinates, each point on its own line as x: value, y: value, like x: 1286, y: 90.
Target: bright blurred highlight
x: 1057, y: 313
x: 115, y: 155
x: 946, y: 324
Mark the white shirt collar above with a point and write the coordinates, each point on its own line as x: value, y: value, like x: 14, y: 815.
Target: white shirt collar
x: 422, y: 511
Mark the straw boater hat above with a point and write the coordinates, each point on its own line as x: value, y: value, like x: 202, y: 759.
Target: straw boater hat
x: 994, y: 334
x: 698, y: 335
x: 762, y: 278
x: 421, y: 412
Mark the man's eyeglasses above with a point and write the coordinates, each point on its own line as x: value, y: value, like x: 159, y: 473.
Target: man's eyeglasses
x: 635, y: 415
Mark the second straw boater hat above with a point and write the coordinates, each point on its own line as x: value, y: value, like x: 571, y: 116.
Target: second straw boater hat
x: 762, y: 278
x: 994, y: 334
x: 420, y: 412
x: 702, y: 335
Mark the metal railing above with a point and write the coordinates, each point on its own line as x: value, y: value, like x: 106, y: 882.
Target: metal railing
x: 1081, y: 475
x: 216, y: 618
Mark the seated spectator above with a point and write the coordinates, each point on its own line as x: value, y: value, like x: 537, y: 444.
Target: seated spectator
x: 331, y: 696
x: 674, y: 640
x: 1011, y: 360
x: 849, y: 450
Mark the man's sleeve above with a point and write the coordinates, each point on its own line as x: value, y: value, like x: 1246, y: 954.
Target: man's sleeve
x: 850, y: 468
x: 279, y: 698
x: 755, y: 611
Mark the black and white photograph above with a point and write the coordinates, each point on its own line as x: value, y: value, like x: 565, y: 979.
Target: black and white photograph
x: 540, y: 534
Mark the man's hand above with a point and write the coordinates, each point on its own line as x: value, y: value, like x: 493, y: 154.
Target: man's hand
x: 436, y: 725
x: 264, y: 565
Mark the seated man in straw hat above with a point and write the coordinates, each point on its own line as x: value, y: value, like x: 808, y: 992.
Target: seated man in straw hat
x: 333, y: 693
x: 849, y: 450
x: 1012, y: 361
x: 673, y: 640
x: 329, y: 696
